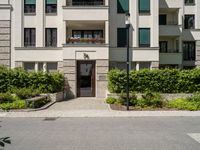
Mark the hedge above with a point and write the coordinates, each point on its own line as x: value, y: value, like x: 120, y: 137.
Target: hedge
x: 19, y: 78
x: 164, y: 81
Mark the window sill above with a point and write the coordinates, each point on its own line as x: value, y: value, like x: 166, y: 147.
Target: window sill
x: 145, y: 13
x: 51, y: 14
x: 29, y: 14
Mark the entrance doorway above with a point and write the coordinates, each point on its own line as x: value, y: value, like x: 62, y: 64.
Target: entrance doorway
x: 85, y: 78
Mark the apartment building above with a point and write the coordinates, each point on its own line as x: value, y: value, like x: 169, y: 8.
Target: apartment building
x: 86, y: 38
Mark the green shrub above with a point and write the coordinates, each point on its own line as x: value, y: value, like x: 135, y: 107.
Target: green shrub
x: 25, y: 93
x: 46, y: 82
x: 17, y: 104
x: 184, y: 104
x: 152, y: 99
x: 111, y: 100
x: 163, y: 81
x: 6, y: 97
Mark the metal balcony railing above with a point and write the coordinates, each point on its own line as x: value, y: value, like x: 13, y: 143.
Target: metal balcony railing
x: 85, y: 3
x: 73, y: 40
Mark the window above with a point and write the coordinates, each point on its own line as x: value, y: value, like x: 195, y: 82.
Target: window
x: 144, y: 6
x: 41, y: 66
x: 189, y: 2
x: 189, y: 49
x: 121, y: 37
x: 51, y: 6
x: 118, y: 65
x: 29, y: 37
x: 29, y: 66
x: 163, y: 46
x: 144, y: 65
x: 162, y: 19
x: 122, y: 6
x: 29, y: 6
x: 52, y: 66
x: 189, y: 22
x: 51, y: 37
x: 144, y: 37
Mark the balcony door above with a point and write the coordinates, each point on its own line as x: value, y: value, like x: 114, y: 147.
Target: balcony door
x: 86, y: 78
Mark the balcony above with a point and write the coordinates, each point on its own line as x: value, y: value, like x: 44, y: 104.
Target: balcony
x: 86, y: 10
x: 170, y: 30
x: 171, y: 58
x: 86, y: 33
x: 170, y: 3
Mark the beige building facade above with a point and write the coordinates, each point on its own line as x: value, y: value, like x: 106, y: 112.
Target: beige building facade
x: 85, y: 38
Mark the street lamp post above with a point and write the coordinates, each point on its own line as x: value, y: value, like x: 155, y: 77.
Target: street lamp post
x: 127, y: 22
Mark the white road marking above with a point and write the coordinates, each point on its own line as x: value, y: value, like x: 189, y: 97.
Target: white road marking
x: 195, y: 136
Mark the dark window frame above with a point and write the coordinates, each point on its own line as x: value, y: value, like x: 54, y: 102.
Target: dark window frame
x: 29, y: 8
x: 51, y: 8
x: 189, y: 2
x: 51, y: 43
x: 187, y: 55
x: 166, y: 46
x: 163, y: 19
x: 145, y: 45
x: 30, y: 39
x: 144, y: 11
x: 120, y: 10
x: 92, y: 31
x: 121, y: 43
x: 186, y: 21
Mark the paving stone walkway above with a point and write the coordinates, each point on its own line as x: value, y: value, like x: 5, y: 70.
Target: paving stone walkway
x: 80, y: 104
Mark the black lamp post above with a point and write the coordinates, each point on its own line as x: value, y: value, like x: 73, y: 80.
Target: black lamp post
x: 127, y: 22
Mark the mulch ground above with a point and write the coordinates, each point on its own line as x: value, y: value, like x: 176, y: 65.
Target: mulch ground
x: 131, y: 108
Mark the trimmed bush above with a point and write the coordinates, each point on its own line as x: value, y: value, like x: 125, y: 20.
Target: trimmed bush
x: 163, y: 81
x: 17, y: 104
x: 25, y: 93
x: 6, y: 97
x: 184, y: 104
x: 19, y: 78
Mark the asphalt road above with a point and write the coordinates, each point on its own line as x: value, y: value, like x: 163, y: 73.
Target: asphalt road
x: 147, y: 133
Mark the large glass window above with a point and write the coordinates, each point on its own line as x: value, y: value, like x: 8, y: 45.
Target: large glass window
x: 189, y: 22
x: 29, y: 6
x: 121, y: 37
x: 41, y: 66
x: 51, y: 6
x: 189, y: 49
x: 51, y: 37
x: 29, y: 37
x: 144, y: 37
x: 122, y: 6
x: 144, y: 6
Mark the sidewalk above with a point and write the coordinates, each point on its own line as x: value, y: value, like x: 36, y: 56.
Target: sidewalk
x: 100, y: 113
x: 87, y: 107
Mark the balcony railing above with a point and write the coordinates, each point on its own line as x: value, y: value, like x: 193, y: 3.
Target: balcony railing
x: 73, y: 40
x: 169, y: 51
x: 85, y: 3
